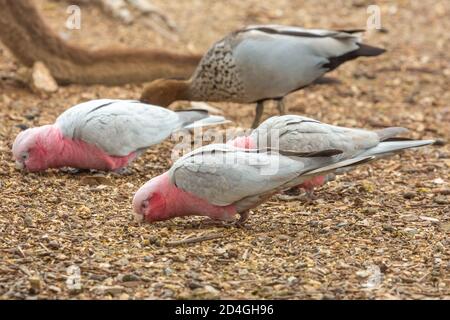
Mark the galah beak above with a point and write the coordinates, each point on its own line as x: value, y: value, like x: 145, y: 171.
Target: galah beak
x: 139, y: 218
x: 20, y: 165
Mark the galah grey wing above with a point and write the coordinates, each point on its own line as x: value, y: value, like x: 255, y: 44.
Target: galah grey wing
x: 302, y: 134
x: 290, y: 61
x: 118, y: 127
x: 224, y: 175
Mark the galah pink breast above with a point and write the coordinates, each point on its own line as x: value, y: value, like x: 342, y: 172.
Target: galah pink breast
x: 102, y: 134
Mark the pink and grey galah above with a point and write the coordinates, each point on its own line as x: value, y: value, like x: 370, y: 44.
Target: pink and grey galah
x: 222, y: 180
x: 102, y: 134
x: 302, y: 134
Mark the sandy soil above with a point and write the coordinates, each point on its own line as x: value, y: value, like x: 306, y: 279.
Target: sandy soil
x: 388, y: 221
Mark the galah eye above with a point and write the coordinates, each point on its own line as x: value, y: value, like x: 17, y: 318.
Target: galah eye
x: 24, y: 156
x: 144, y: 204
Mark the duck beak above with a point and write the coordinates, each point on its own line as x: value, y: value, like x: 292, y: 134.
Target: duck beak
x: 20, y: 165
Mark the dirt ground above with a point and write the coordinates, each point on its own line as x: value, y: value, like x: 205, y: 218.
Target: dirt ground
x: 379, y: 232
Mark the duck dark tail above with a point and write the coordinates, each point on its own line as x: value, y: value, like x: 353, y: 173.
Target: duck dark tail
x: 364, y: 50
x: 368, y: 51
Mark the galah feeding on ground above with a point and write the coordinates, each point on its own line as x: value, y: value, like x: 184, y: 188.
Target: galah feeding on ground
x: 262, y: 62
x: 301, y: 134
x: 221, y: 180
x: 102, y: 134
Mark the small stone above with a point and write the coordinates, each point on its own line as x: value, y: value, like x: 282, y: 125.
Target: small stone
x: 439, y: 247
x: 124, y: 296
x: 446, y: 227
x: 130, y: 277
x: 54, y: 245
x: 314, y: 224
x: 33, y: 114
x: 180, y: 258
x: 167, y: 293
x: 363, y: 273
x: 438, y: 181
x: 154, y: 240
x: 35, y: 284
x: 341, y: 224
x: 194, y: 285
x: 54, y: 289
x: 442, y: 191
x: 97, y: 277
x: 388, y: 228
x: 211, y: 290
x: 221, y: 251
x: 148, y: 258
x: 431, y: 219
x: 42, y: 80
x: 104, y: 265
x: 113, y: 290
x: 370, y: 211
x: 410, y: 231
x: 409, y: 195
x: 168, y: 271
x: 243, y: 272
x: 22, y: 126
x: 443, y: 155
x: 441, y: 200
x: 292, y: 280
x: 94, y: 181
x: 28, y: 221
x: 122, y: 262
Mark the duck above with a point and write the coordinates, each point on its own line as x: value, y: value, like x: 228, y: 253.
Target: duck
x: 262, y: 62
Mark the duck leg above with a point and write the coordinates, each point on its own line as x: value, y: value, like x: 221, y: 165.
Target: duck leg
x: 281, y: 106
x: 259, y: 112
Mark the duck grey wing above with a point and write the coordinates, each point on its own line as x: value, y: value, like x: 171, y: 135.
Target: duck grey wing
x: 119, y: 127
x: 303, y: 32
x: 272, y: 65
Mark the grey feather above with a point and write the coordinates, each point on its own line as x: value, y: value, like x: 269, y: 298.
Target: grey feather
x: 391, y: 132
x: 302, y: 134
x: 120, y: 127
x: 224, y: 175
x: 392, y: 147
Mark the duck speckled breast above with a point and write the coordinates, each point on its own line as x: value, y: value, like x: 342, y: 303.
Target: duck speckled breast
x: 217, y: 77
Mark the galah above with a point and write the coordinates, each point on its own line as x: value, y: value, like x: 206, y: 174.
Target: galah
x: 102, y: 134
x: 302, y: 134
x: 221, y: 180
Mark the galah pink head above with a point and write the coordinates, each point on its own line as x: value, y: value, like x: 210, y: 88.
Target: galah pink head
x: 34, y: 148
x: 159, y: 199
x: 149, y: 202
